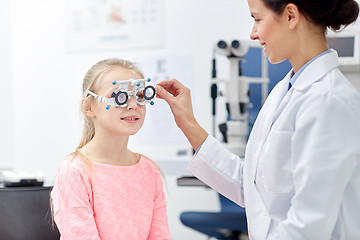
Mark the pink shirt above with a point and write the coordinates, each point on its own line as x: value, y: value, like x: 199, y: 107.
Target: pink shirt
x: 111, y: 202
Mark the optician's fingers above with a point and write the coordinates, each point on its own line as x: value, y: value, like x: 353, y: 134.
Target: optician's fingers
x: 173, y: 86
x: 177, y: 96
x: 163, y: 94
x: 168, y: 90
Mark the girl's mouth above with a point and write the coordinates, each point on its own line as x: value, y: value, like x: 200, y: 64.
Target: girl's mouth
x: 130, y: 119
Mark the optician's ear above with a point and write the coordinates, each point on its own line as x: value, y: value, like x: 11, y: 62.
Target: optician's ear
x: 86, y: 107
x: 292, y: 14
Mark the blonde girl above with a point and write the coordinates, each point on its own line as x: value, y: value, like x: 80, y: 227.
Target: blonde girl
x: 103, y: 190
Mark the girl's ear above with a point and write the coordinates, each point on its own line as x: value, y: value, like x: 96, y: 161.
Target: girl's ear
x: 86, y: 108
x: 292, y: 14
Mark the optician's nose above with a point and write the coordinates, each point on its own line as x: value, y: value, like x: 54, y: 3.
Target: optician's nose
x: 253, y: 34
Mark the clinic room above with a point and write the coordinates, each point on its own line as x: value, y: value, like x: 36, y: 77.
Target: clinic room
x: 179, y: 119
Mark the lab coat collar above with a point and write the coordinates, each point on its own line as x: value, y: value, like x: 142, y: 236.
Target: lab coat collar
x: 316, y: 70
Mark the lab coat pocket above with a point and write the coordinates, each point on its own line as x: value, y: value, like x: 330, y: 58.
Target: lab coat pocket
x: 275, y: 163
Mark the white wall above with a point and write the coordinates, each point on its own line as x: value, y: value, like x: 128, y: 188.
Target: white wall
x: 6, y: 127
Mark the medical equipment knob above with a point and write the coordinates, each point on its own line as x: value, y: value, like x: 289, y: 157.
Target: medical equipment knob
x: 235, y: 44
x: 222, y: 44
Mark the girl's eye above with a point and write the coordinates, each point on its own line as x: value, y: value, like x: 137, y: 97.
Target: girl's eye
x: 140, y: 96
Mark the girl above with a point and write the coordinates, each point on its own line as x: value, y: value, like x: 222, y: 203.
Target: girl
x: 301, y: 174
x: 103, y: 190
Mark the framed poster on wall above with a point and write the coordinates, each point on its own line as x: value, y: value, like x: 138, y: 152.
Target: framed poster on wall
x: 113, y: 24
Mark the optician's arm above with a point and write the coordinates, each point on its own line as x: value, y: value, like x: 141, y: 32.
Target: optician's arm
x: 213, y: 163
x: 220, y: 169
x: 73, y: 213
x: 324, y: 146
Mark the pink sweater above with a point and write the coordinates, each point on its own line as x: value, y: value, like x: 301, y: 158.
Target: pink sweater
x: 111, y: 202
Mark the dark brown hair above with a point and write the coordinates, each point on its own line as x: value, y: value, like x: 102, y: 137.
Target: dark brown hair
x: 333, y: 14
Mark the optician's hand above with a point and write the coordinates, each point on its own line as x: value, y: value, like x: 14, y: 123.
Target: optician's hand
x: 179, y: 99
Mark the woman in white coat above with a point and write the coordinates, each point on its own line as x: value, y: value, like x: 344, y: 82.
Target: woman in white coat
x: 300, y: 178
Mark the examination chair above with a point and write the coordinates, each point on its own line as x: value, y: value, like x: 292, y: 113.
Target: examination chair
x: 25, y: 214
x: 228, y: 224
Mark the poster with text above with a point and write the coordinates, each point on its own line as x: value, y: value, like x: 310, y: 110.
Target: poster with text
x: 113, y: 24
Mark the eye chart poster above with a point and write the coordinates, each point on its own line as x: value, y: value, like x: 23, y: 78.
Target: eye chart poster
x: 113, y: 24
x: 159, y: 125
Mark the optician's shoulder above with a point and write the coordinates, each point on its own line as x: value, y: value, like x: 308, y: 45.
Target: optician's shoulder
x: 330, y: 90
x: 335, y: 84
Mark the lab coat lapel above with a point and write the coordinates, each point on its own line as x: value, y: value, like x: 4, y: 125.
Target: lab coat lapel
x: 273, y: 106
x: 267, y: 115
x: 282, y: 105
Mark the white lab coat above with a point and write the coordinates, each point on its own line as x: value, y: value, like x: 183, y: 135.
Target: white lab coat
x: 300, y: 178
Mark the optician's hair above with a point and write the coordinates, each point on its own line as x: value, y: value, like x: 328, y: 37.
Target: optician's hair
x: 333, y: 14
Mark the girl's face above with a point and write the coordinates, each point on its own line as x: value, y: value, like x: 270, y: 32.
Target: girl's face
x: 117, y: 120
x: 270, y: 29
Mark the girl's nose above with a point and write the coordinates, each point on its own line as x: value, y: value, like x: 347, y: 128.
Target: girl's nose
x: 131, y: 104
